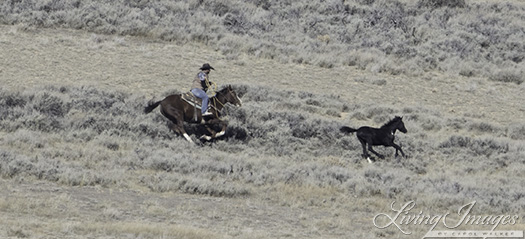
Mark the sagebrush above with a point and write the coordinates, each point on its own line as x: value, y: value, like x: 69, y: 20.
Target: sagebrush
x: 88, y: 136
x: 456, y: 37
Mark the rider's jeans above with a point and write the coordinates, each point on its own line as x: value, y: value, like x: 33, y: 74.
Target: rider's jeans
x: 201, y: 94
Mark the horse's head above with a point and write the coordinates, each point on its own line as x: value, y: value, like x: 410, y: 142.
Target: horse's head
x: 400, y: 125
x: 230, y: 96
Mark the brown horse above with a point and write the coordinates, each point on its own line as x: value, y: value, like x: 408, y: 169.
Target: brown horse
x: 179, y: 111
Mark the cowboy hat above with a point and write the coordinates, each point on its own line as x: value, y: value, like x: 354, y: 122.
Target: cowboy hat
x: 206, y: 66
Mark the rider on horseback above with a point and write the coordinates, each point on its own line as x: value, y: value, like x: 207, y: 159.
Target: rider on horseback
x: 200, y: 86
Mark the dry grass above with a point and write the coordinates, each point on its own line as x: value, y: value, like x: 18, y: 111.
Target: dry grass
x: 56, y: 217
x: 292, y: 169
x: 456, y: 37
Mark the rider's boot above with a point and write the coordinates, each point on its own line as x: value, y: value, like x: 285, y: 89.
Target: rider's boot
x: 207, y: 113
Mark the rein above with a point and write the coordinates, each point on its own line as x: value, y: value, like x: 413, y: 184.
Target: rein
x: 215, y: 100
x: 212, y: 86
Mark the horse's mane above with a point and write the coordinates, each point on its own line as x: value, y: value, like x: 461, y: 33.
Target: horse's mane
x: 391, y: 122
x: 223, y: 90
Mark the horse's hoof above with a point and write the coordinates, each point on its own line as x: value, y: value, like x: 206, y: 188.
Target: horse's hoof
x: 206, y: 137
x: 369, y: 160
x: 220, y: 134
x: 187, y: 137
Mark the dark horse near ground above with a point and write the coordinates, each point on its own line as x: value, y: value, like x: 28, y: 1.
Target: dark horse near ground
x: 179, y: 111
x: 382, y: 136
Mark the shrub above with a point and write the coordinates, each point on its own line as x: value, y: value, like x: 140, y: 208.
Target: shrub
x: 479, y: 147
x: 508, y: 76
x: 51, y: 105
x: 516, y: 131
x: 442, y: 3
x: 382, y: 36
x: 276, y: 138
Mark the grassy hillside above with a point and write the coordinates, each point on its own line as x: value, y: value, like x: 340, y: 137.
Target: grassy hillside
x: 288, y: 153
x: 458, y: 37
x: 86, y: 136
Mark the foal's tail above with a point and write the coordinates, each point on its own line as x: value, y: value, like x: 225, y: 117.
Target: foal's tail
x: 151, y: 106
x: 346, y: 129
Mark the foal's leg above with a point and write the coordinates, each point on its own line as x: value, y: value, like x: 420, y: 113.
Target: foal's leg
x: 376, y: 153
x: 365, y: 153
x: 363, y: 144
x: 398, y: 148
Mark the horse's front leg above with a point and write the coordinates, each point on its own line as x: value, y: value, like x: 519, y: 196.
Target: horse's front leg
x: 398, y: 148
x: 213, y: 133
x: 223, y: 129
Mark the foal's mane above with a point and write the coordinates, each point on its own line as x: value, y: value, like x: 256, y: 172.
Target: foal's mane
x: 391, y: 122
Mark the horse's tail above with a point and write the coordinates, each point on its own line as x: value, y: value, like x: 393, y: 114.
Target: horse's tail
x: 346, y: 129
x: 151, y: 106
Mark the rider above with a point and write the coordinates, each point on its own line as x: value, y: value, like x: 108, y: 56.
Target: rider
x: 200, y: 86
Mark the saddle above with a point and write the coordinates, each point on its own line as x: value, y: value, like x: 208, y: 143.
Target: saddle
x: 192, y: 99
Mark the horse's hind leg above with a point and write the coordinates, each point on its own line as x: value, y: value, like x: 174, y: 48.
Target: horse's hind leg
x: 373, y: 151
x: 365, y: 153
x: 178, y: 125
x: 367, y: 141
x: 186, y: 136
x: 179, y: 128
